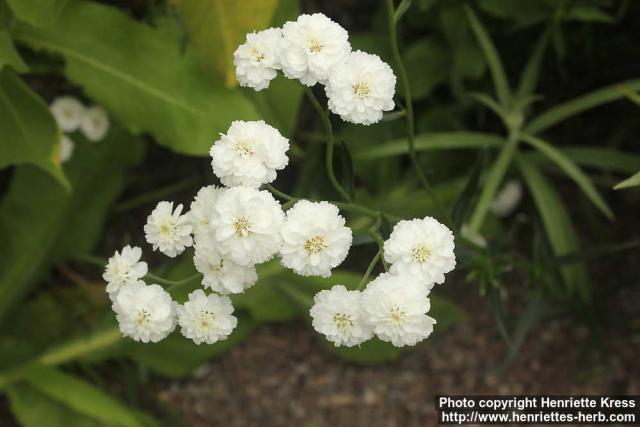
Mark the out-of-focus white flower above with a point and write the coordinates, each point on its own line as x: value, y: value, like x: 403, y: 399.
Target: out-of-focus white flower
x: 361, y: 88
x: 247, y: 225
x: 68, y: 112
x: 311, y: 47
x: 201, y: 209
x: 258, y: 59
x: 205, y: 318
x: 221, y: 275
x: 422, y: 248
x: 94, y: 123
x: 314, y: 238
x: 65, y: 150
x: 144, y: 313
x: 396, y: 308
x: 338, y: 314
x: 167, y: 230
x: 249, y: 154
x: 507, y: 199
x: 123, y: 269
x: 473, y: 236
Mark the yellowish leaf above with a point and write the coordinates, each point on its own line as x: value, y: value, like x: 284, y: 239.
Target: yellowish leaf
x: 217, y: 27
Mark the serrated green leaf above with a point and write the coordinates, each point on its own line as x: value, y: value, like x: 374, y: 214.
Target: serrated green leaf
x: 29, y: 133
x: 217, y: 27
x: 38, y: 12
x: 141, y: 75
x: 558, y: 226
x: 572, y: 170
x: 9, y: 55
x: 41, y: 224
x: 561, y: 112
x: 80, y: 396
x: 632, y: 181
x: 431, y: 141
x: 500, y: 81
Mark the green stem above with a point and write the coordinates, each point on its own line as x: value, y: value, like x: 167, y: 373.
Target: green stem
x: 326, y: 122
x: 172, y: 284
x: 493, y: 180
x: 367, y: 273
x: 349, y: 207
x: 155, y: 195
x: 280, y: 194
x: 410, y: 126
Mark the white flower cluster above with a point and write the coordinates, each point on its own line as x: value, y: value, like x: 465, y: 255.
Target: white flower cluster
x: 236, y: 227
x: 394, y: 305
x: 232, y: 229
x: 314, y: 49
x: 71, y: 115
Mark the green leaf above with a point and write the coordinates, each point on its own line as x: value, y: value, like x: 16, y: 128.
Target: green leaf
x: 346, y: 175
x: 492, y: 182
x: 9, y: 55
x: 427, y: 66
x: 462, y: 206
x: 217, y: 27
x: 41, y: 224
x: 561, y: 112
x: 38, y: 12
x: 431, y: 141
x: 28, y: 130
x: 531, y: 72
x: 607, y: 159
x: 80, y: 396
x: 558, y: 227
x: 32, y: 407
x: 572, y: 170
x: 632, y: 181
x: 493, y: 59
x: 140, y: 74
x: 176, y: 356
x: 401, y: 9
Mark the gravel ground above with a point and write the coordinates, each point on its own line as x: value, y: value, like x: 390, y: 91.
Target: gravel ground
x: 283, y: 376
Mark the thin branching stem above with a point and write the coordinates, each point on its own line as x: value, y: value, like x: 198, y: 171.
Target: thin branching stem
x: 326, y: 122
x: 410, y: 126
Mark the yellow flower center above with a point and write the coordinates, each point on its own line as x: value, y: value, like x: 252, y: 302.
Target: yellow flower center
x: 421, y: 253
x: 214, y: 268
x: 206, y: 319
x: 242, y: 226
x: 315, y: 244
x: 361, y: 89
x: 314, y: 45
x: 142, y: 317
x: 343, y: 321
x: 168, y: 229
x: 397, y: 315
x: 257, y: 55
x: 245, y: 149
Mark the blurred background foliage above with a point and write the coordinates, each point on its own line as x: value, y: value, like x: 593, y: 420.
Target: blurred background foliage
x: 501, y: 89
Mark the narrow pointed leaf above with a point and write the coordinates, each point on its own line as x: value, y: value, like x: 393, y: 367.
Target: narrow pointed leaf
x: 558, y: 226
x: 431, y: 141
x: 561, y: 112
x: 531, y: 72
x: 632, y: 181
x: 572, y: 170
x: 493, y: 59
